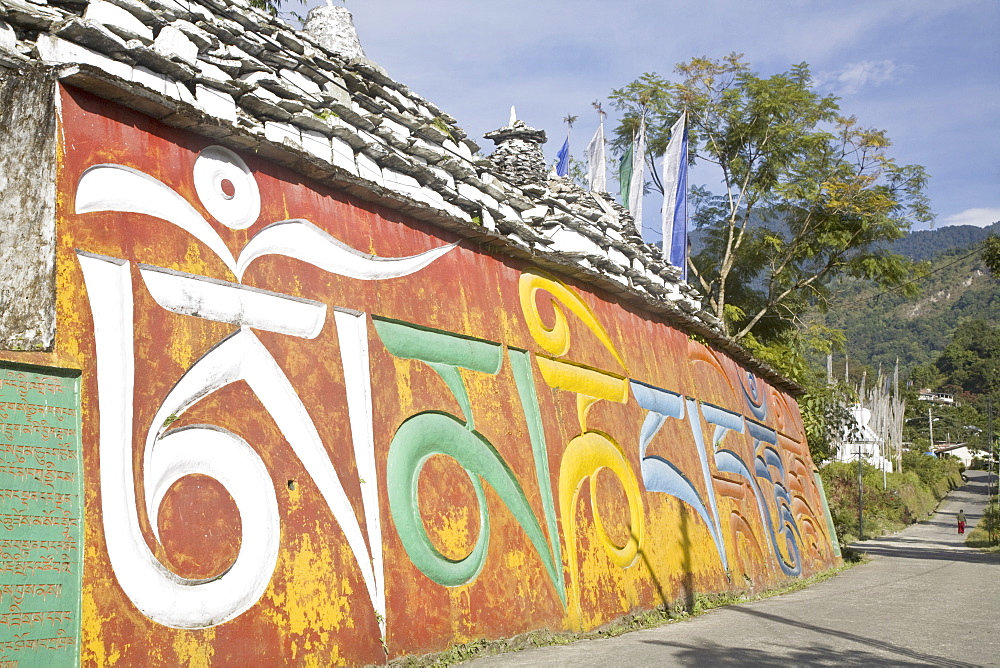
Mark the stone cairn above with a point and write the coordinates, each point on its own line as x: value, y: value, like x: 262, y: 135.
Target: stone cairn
x: 518, y: 155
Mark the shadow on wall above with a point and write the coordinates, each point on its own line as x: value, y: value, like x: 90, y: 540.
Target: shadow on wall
x: 687, y: 582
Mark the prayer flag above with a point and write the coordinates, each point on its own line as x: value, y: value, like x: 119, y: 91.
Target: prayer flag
x: 597, y: 162
x: 638, y: 181
x: 562, y: 167
x: 674, y: 213
x: 625, y: 176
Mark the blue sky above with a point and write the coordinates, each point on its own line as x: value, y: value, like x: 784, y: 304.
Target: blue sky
x: 926, y: 71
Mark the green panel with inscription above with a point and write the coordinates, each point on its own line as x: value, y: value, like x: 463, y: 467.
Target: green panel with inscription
x: 41, y: 517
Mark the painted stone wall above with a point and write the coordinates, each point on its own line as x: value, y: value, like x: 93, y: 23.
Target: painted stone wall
x: 316, y: 431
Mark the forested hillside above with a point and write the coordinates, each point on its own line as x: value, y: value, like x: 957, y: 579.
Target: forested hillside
x: 920, y: 245
x: 925, y: 244
x: 882, y: 326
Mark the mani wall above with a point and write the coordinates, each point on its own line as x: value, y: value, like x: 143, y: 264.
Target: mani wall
x: 293, y: 374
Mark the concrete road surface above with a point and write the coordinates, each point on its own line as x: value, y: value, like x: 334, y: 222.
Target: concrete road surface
x: 924, y: 600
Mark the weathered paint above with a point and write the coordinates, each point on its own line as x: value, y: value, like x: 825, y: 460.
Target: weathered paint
x: 367, y: 456
x: 27, y: 209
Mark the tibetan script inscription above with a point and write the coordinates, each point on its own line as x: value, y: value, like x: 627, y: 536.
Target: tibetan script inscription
x: 41, y: 518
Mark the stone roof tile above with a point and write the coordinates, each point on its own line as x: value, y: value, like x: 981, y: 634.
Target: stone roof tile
x: 118, y: 20
x: 30, y: 15
x: 91, y: 34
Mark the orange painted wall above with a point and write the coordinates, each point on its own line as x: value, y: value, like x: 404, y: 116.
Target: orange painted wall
x: 316, y: 607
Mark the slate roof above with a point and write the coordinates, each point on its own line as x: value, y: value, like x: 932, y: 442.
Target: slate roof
x: 249, y: 81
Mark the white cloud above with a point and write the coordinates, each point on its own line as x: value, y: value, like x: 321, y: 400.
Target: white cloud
x: 855, y: 76
x: 980, y: 217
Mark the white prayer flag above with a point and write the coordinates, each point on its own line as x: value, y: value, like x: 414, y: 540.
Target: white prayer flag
x: 638, y: 175
x: 674, y: 212
x: 597, y: 173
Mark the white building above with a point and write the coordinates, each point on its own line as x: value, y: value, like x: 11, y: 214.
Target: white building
x: 959, y: 450
x: 862, y: 440
x: 936, y: 397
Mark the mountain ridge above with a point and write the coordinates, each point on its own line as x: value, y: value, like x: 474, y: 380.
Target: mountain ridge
x: 925, y: 244
x: 880, y: 325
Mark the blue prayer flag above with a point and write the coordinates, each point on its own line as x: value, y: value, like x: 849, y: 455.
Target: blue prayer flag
x: 562, y: 167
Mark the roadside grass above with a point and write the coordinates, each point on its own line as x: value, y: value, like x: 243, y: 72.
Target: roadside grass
x: 646, y: 619
x: 979, y: 537
x: 892, y: 503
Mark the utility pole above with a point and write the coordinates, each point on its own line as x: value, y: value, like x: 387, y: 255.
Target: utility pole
x: 861, y: 526
x: 990, y: 498
x: 930, y: 426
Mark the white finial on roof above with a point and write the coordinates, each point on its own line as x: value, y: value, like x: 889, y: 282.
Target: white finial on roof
x: 513, y: 115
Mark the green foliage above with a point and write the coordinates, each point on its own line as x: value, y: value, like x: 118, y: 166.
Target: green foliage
x: 937, y: 475
x: 991, y: 255
x: 969, y: 368
x: 791, y: 351
x: 987, y: 532
x: 925, y: 376
x: 883, y: 326
x: 971, y: 361
x: 443, y: 126
x: 909, y: 495
x: 963, y: 422
x: 269, y: 6
x: 927, y: 244
x: 578, y: 173
x: 808, y: 194
x: 272, y: 7
x: 826, y: 420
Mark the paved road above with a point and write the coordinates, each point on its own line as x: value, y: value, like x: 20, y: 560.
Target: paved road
x: 924, y: 600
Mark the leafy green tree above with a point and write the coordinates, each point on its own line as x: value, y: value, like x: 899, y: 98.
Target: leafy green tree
x: 991, y: 254
x: 971, y: 362
x: 806, y: 193
x: 925, y: 376
x: 827, y: 420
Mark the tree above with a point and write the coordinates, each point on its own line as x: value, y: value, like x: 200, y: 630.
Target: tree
x: 991, y: 255
x: 269, y: 6
x: 971, y: 362
x: 273, y: 7
x: 807, y: 194
x: 925, y: 376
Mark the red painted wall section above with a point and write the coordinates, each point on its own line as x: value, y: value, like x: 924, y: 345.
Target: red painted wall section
x: 317, y: 431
